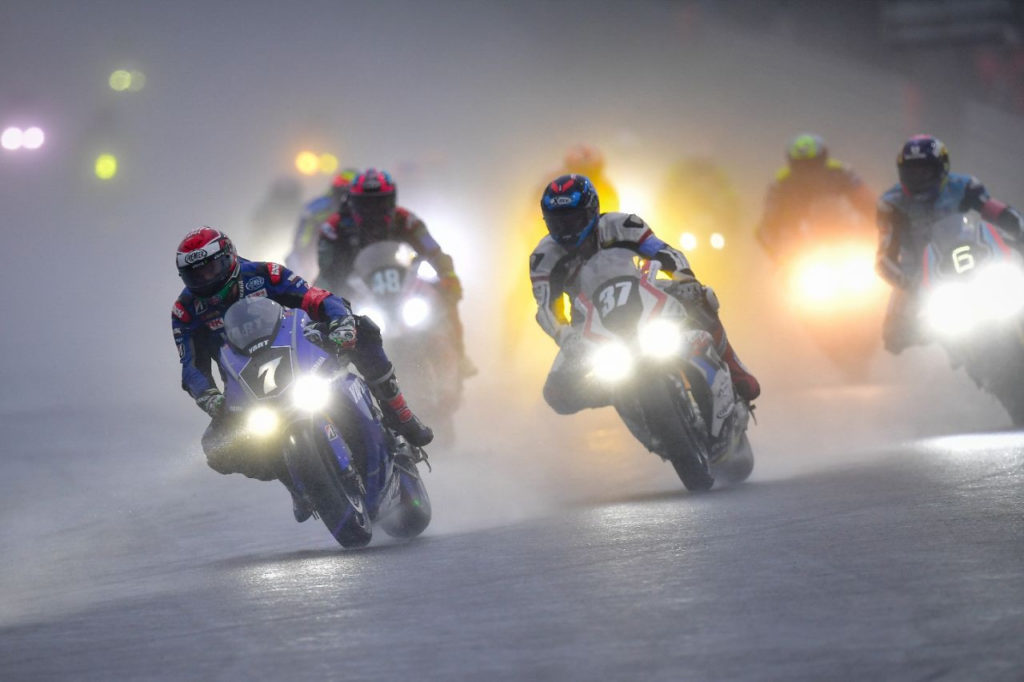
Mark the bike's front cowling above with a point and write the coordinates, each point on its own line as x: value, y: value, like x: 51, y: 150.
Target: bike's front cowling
x: 972, y: 303
x: 664, y: 376
x: 397, y: 289
x: 293, y: 400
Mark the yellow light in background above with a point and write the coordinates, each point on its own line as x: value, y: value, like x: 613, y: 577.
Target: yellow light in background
x: 136, y: 80
x: 307, y: 163
x: 120, y: 80
x: 717, y: 241
x: 106, y: 166
x: 688, y: 241
x: 328, y: 163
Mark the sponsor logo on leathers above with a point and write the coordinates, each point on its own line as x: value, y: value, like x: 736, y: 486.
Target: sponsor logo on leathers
x: 254, y: 283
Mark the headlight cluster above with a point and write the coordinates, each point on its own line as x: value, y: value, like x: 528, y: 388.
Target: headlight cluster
x: 415, y: 312
x: 309, y: 393
x: 994, y: 293
x: 659, y: 339
x: 836, y: 277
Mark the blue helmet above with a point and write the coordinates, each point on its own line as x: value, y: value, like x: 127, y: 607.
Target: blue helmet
x: 570, y: 208
x: 923, y: 164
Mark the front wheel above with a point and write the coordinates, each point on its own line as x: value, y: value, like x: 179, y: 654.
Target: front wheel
x: 676, y: 431
x: 338, y: 496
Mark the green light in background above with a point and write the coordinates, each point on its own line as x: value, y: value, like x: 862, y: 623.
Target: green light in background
x: 120, y: 80
x: 137, y: 80
x: 106, y: 166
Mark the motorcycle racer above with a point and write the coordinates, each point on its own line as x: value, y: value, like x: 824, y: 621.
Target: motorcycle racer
x: 926, y: 192
x: 375, y: 216
x: 303, y: 256
x: 809, y: 175
x: 577, y: 230
x: 215, y: 277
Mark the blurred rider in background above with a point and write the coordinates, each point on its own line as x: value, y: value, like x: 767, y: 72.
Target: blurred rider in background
x: 371, y: 214
x: 808, y: 177
x: 588, y: 161
x: 926, y: 193
x: 576, y: 231
x: 303, y: 256
x: 215, y: 277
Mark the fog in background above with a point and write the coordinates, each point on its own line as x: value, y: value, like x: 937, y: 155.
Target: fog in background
x: 471, y: 105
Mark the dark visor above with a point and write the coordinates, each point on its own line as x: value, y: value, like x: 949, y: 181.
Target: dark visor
x: 919, y: 177
x: 568, y: 225
x: 208, y: 276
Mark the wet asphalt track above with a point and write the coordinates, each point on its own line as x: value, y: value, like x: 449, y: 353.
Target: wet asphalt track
x: 906, y: 562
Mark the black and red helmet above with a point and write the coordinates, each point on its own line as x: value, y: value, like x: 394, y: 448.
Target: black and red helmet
x: 373, y: 196
x: 923, y: 164
x: 207, y: 262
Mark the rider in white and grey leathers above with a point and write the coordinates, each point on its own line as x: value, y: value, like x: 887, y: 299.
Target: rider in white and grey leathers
x: 577, y: 230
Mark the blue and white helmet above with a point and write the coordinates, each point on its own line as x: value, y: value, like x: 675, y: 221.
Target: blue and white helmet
x: 571, y: 208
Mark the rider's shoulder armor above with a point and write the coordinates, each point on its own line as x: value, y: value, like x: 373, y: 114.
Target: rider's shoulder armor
x: 615, y: 228
x: 545, y: 256
x: 405, y: 220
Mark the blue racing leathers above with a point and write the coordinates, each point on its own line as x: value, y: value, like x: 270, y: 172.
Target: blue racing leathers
x: 905, y: 225
x: 198, y: 323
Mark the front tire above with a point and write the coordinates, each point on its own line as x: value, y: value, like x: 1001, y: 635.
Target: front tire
x: 675, y: 429
x: 337, y: 496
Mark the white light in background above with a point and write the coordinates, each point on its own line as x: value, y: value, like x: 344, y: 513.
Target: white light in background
x: 12, y: 138
x: 33, y: 138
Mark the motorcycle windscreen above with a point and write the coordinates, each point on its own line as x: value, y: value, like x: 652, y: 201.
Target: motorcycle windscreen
x: 382, y: 267
x: 252, y: 323
x: 957, y: 240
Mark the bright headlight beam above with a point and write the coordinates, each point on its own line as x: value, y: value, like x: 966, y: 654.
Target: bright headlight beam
x: 311, y: 393
x: 611, y: 362
x: 415, y: 311
x: 660, y: 338
x: 261, y: 421
x: 717, y: 241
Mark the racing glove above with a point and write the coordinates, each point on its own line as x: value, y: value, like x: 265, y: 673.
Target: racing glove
x: 211, y: 401
x: 451, y: 287
x: 342, y: 332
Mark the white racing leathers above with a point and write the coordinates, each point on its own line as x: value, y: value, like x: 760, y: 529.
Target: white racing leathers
x: 554, y: 271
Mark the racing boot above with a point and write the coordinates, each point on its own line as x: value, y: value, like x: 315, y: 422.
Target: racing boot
x: 397, y: 414
x: 746, y: 385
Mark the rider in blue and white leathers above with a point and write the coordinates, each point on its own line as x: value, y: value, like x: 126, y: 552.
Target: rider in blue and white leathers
x: 926, y: 193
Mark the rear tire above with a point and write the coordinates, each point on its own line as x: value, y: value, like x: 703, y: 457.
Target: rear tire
x: 412, y: 513
x: 737, y: 466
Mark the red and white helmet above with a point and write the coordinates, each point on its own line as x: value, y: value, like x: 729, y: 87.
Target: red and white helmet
x: 207, y: 262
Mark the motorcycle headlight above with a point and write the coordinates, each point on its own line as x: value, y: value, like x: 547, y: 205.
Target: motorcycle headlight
x: 611, y: 362
x: 261, y: 421
x: 948, y: 310
x: 998, y: 291
x: 660, y: 338
x: 311, y: 393
x: 415, y: 312
x: 717, y: 241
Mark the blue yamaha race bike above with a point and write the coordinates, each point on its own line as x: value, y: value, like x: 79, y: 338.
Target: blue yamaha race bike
x: 296, y: 400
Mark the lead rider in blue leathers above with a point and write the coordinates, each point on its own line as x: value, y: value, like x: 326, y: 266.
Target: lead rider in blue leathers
x: 926, y: 193
x: 215, y: 277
